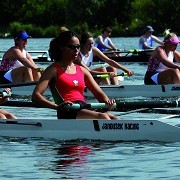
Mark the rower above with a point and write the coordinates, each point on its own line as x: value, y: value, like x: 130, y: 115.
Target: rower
x: 17, y: 64
x: 146, y: 40
x: 161, y: 68
x: 70, y: 81
x: 105, y: 44
x: 85, y: 59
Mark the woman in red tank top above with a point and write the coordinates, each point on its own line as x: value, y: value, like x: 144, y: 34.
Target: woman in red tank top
x: 69, y: 80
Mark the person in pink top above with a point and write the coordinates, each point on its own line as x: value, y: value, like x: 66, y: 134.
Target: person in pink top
x: 17, y: 64
x: 161, y: 67
x: 69, y: 80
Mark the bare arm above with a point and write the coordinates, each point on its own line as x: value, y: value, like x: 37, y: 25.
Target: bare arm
x: 111, y: 62
x: 100, y: 41
x: 177, y: 56
x: 94, y: 87
x: 157, y: 40
x: 49, y: 75
x: 159, y: 53
x: 17, y: 54
x: 111, y: 44
x: 28, y: 56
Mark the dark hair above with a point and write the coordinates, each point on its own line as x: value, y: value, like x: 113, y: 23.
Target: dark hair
x: 108, y: 29
x: 61, y: 40
x: 84, y: 37
x: 17, y: 33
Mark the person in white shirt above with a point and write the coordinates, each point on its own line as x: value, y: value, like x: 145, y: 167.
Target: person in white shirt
x: 146, y: 40
x: 85, y: 58
x: 17, y: 64
x: 161, y: 67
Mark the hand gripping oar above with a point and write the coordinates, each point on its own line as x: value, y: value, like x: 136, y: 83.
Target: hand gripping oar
x: 129, y: 105
x: 120, y: 76
x: 118, y: 106
x: 107, y: 75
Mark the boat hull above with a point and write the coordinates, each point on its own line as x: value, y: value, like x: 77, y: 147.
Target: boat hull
x: 115, y: 91
x: 105, y: 130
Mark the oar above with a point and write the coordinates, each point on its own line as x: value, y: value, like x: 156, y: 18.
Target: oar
x: 120, y: 76
x: 130, y: 105
x: 118, y: 106
x: 18, y: 84
x: 134, y: 51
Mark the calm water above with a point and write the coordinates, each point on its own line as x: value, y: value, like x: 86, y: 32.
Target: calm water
x: 50, y: 159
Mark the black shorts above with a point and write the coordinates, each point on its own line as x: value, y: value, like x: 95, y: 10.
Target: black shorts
x: 147, y: 78
x: 3, y: 80
x: 71, y: 113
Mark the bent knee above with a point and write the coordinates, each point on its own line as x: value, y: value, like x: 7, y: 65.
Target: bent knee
x: 113, y: 69
x: 103, y: 116
x: 26, y: 69
x: 2, y: 116
x: 176, y: 70
x: 102, y: 69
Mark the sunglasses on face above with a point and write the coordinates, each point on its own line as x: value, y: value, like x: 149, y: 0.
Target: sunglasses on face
x: 90, y: 43
x: 75, y: 46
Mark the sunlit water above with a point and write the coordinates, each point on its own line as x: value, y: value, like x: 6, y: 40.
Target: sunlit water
x: 51, y: 159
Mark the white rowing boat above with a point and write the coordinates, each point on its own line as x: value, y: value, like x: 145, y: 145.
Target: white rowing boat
x: 115, y: 91
x: 164, y: 130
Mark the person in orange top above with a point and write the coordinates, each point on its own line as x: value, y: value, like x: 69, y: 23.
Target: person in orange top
x: 69, y: 80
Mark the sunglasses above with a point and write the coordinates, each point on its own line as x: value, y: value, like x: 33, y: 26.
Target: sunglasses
x: 71, y: 46
x: 90, y: 43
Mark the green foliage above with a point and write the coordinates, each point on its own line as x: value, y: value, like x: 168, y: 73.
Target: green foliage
x: 160, y: 14
x: 50, y: 31
x: 81, y: 28
x: 126, y: 17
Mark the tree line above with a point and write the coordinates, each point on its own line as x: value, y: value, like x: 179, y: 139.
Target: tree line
x: 42, y: 18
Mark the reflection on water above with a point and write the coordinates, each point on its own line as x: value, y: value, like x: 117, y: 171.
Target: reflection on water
x: 71, y: 156
x: 39, y: 158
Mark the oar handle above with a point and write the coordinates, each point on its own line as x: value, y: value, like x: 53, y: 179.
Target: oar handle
x: 130, y: 105
x: 88, y: 106
x: 107, y: 75
x: 135, y: 51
